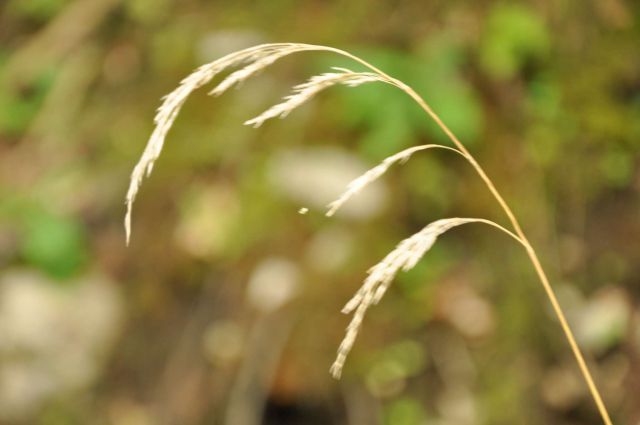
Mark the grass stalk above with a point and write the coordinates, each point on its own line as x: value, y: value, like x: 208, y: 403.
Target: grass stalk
x: 531, y: 252
x: 410, y: 250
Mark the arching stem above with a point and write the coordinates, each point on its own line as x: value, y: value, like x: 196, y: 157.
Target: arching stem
x: 584, y: 369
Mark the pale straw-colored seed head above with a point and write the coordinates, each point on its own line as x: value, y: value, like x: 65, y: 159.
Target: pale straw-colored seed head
x: 355, y: 186
x: 404, y: 257
x: 254, y: 59
x: 304, y: 92
x: 257, y: 62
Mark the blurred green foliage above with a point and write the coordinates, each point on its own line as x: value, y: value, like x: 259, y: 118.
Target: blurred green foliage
x: 39, y: 10
x: 547, y: 95
x: 53, y: 243
x: 514, y: 35
x: 405, y: 411
x: 433, y: 70
x: 21, y: 105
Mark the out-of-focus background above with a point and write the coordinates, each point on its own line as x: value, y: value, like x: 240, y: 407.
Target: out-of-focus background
x: 225, y: 309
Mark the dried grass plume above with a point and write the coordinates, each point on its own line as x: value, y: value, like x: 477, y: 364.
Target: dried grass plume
x: 404, y: 257
x: 253, y: 60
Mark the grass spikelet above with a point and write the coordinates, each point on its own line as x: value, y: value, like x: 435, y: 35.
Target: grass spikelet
x: 356, y: 185
x: 404, y: 257
x: 304, y: 92
x: 257, y: 58
x: 258, y: 61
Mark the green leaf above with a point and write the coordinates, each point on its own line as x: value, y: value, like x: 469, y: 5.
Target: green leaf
x: 405, y: 411
x: 393, y: 121
x: 617, y: 167
x: 41, y: 10
x: 18, y: 108
x: 458, y: 108
x: 53, y: 243
x: 437, y: 78
x: 391, y: 133
x: 514, y: 34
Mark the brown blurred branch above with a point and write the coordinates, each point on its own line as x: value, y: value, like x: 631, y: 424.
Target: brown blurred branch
x: 58, y: 38
x: 251, y: 387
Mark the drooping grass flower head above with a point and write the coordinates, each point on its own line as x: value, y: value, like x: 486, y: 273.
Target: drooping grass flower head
x: 249, y: 62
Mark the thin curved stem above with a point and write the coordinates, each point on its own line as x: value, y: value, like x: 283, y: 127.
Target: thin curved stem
x: 514, y: 222
x: 499, y: 227
x: 533, y: 256
x: 203, y: 75
x: 409, y: 151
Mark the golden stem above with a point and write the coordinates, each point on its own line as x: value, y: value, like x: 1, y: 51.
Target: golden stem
x: 514, y: 222
x: 530, y: 252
